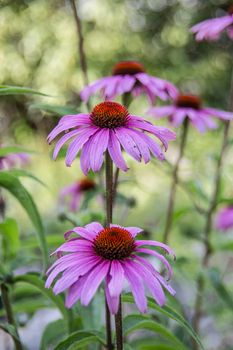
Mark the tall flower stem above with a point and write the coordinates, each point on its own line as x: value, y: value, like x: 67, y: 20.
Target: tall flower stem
x: 118, y: 323
x: 82, y: 56
x: 175, y: 180
x: 9, y: 314
x: 109, y: 205
x: 208, y: 229
x: 110, y: 195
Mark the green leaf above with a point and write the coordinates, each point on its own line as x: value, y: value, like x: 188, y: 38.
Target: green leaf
x: 52, y: 333
x: 28, y: 306
x: 55, y: 109
x: 38, y: 283
x: 14, y: 186
x: 8, y: 328
x: 169, y: 312
x: 12, y: 149
x: 222, y: 291
x: 24, y: 173
x: 158, y: 346
x: 79, y: 339
x: 228, y: 245
x: 135, y: 322
x: 10, y: 232
x: 18, y: 90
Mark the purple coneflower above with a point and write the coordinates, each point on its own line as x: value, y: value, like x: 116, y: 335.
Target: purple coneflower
x: 224, y: 219
x: 108, y: 127
x: 130, y: 77
x: 76, y: 192
x: 12, y: 160
x: 211, y: 29
x: 111, y: 255
x: 190, y: 106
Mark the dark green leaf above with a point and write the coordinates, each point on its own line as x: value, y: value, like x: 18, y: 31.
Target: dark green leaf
x: 136, y: 322
x: 79, y: 339
x: 14, y: 186
x: 12, y: 149
x: 24, y: 173
x: 8, y: 328
x: 169, y: 312
x: 10, y: 232
x: 218, y: 285
x: 38, y: 283
x: 18, y: 90
x: 54, y: 331
x: 55, y: 109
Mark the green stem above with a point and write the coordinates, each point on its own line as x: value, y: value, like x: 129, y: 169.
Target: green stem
x: 175, y: 180
x: 109, y: 205
x: 9, y: 314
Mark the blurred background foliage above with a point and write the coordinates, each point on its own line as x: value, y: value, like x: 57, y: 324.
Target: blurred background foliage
x: 38, y: 49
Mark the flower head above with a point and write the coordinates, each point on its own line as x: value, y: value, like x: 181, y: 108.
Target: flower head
x: 108, y: 127
x: 76, y: 192
x: 12, y: 160
x: 130, y: 77
x: 190, y: 106
x: 211, y: 29
x: 224, y: 219
x: 111, y: 255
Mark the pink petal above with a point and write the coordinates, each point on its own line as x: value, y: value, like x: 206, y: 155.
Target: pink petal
x: 117, y: 278
x: 156, y: 244
x: 99, y: 143
x: 114, y: 149
x: 128, y: 143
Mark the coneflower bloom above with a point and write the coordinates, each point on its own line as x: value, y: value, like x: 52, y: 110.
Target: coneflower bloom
x: 190, y: 106
x: 113, y: 256
x: 12, y: 160
x: 211, y: 29
x: 224, y: 219
x: 130, y: 77
x: 108, y: 127
x: 76, y: 192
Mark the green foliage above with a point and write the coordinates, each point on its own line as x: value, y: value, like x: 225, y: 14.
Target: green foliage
x: 18, y: 90
x: 170, y: 313
x: 10, y: 237
x: 79, y: 339
x: 55, y: 109
x: 14, y: 186
x: 223, y: 293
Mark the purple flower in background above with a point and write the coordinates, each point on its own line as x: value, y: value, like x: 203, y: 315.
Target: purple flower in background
x: 108, y: 128
x: 190, y: 106
x: 111, y: 255
x: 13, y: 160
x: 211, y: 29
x: 130, y: 77
x: 75, y: 192
x: 224, y: 219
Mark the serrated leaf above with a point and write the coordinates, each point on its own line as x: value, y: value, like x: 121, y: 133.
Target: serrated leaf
x: 19, y: 90
x: 135, y: 322
x: 38, y: 283
x: 10, y: 232
x: 169, y: 312
x: 14, y: 186
x: 55, y: 109
x: 79, y: 339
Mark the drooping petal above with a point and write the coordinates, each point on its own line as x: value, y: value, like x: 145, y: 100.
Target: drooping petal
x: 74, y: 292
x: 74, y: 246
x: 78, y: 142
x: 99, y: 143
x: 159, y: 112
x: 218, y: 113
x: 115, y: 284
x: 128, y: 143
x: 63, y: 140
x: 141, y: 144
x: 113, y: 302
x: 94, y: 227
x: 93, y: 281
x: 114, y: 149
x: 156, y: 244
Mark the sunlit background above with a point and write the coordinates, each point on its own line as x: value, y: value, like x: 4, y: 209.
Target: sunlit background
x: 39, y: 49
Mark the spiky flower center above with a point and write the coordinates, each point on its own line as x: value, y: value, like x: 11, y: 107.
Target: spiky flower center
x: 109, y: 115
x: 188, y: 101
x: 128, y: 67
x: 114, y: 243
x: 86, y: 184
x: 230, y: 10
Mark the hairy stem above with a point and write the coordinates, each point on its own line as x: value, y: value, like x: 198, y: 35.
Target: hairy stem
x: 82, y: 56
x: 175, y: 180
x: 118, y: 325
x: 10, y: 316
x: 109, y: 205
